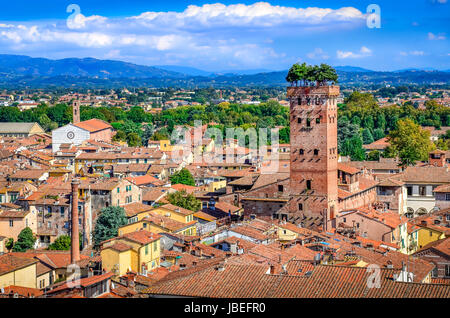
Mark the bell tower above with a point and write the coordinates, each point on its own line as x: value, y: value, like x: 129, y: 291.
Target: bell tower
x: 313, y: 159
x: 76, y: 112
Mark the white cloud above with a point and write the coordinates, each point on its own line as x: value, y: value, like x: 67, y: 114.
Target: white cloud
x: 81, y: 22
x: 363, y: 52
x: 318, y: 53
x: 415, y: 53
x: 260, y: 14
x: 440, y: 36
x: 238, y: 35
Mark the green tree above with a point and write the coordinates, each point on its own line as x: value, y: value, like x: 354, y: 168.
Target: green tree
x: 183, y: 200
x: 25, y: 241
x: 10, y: 114
x: 346, y: 131
x: 147, y: 134
x: 311, y: 74
x: 182, y: 177
x: 297, y: 73
x: 367, y: 136
x: 389, y: 152
x: 134, y: 140
x: 137, y: 115
x: 9, y: 244
x: 374, y: 155
x: 46, y: 123
x: 353, y: 147
x: 120, y: 136
x: 284, y: 135
x: 326, y: 73
x: 62, y: 243
x: 410, y: 142
x: 378, y: 134
x: 108, y: 223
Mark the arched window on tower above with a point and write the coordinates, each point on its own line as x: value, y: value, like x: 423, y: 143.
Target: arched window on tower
x: 301, y: 151
x: 316, y: 152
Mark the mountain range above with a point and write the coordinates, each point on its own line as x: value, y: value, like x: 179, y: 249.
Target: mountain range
x: 22, y: 71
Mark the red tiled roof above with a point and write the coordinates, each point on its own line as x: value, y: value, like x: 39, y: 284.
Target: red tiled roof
x: 250, y: 232
x: 181, y: 187
x: 93, y: 125
x: 141, y: 180
x: 131, y: 209
x: 142, y: 236
x: 379, y: 144
x: 23, y: 291
x: 347, y: 169
x: 324, y: 281
x: 10, y: 262
x: 119, y: 246
x: 83, y: 282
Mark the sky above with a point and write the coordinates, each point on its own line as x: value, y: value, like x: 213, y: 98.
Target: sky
x: 232, y: 35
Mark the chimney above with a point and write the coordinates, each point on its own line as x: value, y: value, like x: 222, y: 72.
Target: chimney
x: 220, y: 267
x: 403, y: 266
x: 271, y: 269
x: 75, y: 246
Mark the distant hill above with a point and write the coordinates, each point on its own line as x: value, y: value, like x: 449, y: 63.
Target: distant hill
x: 18, y: 65
x: 242, y: 72
x: 22, y: 71
x: 190, y: 71
x: 425, y: 69
x: 354, y: 69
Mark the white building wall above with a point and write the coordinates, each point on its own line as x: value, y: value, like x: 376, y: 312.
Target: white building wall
x: 62, y: 136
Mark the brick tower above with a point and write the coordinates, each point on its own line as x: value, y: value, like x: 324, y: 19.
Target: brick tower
x: 313, y: 170
x: 76, y: 112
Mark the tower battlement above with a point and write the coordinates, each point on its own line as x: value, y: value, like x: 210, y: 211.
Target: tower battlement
x: 313, y: 90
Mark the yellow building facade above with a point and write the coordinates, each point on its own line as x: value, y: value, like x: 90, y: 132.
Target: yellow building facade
x: 17, y: 271
x: 138, y: 251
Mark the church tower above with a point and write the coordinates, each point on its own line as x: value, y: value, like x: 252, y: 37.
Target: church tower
x: 313, y: 159
x: 76, y: 112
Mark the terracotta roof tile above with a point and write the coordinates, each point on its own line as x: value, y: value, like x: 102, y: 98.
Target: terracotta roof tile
x: 93, y: 125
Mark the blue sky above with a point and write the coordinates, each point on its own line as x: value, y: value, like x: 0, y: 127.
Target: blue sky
x: 229, y: 35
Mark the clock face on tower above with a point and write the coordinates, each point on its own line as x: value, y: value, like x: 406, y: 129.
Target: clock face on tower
x: 70, y: 135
